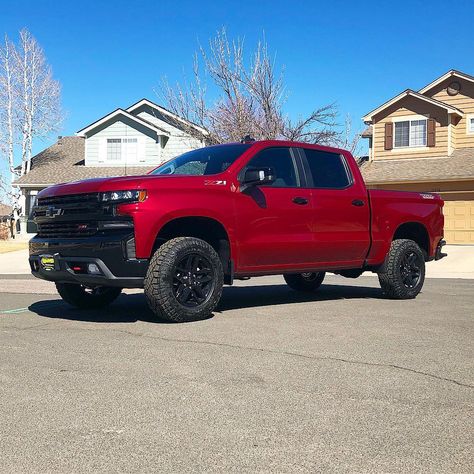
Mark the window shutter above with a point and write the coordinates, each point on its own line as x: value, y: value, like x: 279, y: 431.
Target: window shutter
x: 388, y: 135
x: 431, y: 136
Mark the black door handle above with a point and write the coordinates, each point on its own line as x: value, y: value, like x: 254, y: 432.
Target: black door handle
x: 358, y: 202
x: 300, y: 200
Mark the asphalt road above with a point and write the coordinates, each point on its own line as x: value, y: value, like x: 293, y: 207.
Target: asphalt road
x: 340, y: 381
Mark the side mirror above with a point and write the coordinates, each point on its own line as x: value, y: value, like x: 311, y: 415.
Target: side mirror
x: 258, y: 176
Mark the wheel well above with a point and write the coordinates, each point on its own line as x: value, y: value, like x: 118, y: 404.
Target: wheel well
x: 204, y: 228
x: 416, y: 232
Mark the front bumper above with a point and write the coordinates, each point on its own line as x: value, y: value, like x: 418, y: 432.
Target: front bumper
x: 70, y: 259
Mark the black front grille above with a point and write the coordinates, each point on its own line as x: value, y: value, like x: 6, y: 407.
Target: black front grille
x: 79, y: 199
x: 67, y: 229
x: 72, y: 204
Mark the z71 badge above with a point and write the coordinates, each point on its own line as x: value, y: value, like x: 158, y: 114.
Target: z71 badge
x: 215, y: 182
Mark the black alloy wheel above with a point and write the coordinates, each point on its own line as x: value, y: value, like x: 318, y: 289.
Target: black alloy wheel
x: 310, y: 276
x: 403, y: 273
x: 193, y: 280
x: 184, y: 280
x: 84, y: 297
x: 307, y: 281
x: 410, y: 269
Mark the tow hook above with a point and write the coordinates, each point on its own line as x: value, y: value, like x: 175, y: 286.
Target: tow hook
x: 439, y: 254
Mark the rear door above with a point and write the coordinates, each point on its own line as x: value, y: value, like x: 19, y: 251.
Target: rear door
x: 341, y: 209
x: 274, y: 220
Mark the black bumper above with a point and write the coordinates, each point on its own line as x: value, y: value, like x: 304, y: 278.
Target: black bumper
x: 70, y: 258
x: 439, y: 250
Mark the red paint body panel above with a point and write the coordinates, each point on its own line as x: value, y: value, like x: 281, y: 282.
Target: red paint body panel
x: 390, y: 209
x: 329, y: 233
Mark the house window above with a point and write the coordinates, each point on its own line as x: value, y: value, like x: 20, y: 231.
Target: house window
x: 119, y: 149
x: 114, y: 149
x: 129, y: 149
x: 470, y: 125
x: 410, y: 133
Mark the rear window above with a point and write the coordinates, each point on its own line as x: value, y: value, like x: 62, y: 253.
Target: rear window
x: 327, y: 169
x: 203, y: 161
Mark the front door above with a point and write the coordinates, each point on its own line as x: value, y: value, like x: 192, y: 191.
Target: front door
x: 274, y: 220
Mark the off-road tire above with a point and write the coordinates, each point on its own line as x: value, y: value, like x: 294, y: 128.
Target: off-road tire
x: 83, y: 298
x: 160, y: 280
x: 303, y: 281
x: 391, y: 277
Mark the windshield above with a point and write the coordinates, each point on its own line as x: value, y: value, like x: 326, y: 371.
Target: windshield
x: 203, y: 161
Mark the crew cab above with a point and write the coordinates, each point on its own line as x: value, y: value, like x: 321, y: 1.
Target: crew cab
x: 228, y: 212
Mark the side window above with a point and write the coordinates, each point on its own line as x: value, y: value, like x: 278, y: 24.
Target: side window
x: 282, y: 162
x: 327, y: 169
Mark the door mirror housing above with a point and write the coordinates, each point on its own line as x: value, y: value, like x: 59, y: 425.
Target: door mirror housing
x: 258, y: 176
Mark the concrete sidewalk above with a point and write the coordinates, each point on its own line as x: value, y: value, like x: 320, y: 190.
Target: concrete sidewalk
x: 14, y: 263
x: 458, y: 264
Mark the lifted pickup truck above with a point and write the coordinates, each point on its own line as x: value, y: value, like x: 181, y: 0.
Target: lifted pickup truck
x: 228, y: 212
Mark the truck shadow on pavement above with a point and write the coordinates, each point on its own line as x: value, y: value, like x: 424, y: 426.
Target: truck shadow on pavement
x: 130, y: 308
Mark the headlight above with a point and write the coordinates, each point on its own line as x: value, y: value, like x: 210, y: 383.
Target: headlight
x: 123, y: 196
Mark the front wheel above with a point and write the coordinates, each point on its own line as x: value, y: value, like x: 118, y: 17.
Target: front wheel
x: 184, y: 280
x: 403, y: 274
x: 310, y: 281
x: 87, y: 298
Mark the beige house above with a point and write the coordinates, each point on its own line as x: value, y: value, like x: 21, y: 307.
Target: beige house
x: 424, y: 141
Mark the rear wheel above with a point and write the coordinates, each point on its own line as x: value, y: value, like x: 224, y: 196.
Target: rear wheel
x: 403, y: 274
x: 184, y: 280
x: 309, y: 281
x: 87, y: 298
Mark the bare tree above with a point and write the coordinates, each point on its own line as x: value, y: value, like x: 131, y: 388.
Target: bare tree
x: 250, y: 97
x: 7, y: 95
x: 39, y: 110
x: 348, y: 139
x: 29, y: 101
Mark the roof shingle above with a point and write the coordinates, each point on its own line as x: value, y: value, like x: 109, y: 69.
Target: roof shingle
x: 460, y: 165
x: 5, y: 210
x: 63, y: 162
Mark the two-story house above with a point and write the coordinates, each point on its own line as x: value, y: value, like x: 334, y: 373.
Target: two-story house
x: 128, y: 141
x: 424, y: 141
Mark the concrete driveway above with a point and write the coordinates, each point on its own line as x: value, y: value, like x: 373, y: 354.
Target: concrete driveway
x: 458, y: 264
x: 340, y: 381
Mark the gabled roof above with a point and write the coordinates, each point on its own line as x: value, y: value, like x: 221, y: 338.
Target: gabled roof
x: 411, y: 93
x: 451, y: 73
x: 164, y: 111
x: 126, y: 114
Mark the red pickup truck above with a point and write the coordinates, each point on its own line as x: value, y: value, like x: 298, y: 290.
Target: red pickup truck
x: 228, y: 212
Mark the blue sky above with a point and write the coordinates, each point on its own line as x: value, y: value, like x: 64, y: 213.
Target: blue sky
x: 109, y: 54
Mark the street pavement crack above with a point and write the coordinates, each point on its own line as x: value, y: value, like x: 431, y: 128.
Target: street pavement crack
x: 304, y: 356
x: 270, y: 351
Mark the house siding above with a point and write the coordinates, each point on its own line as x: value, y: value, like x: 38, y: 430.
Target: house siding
x: 450, y: 176
x: 179, y: 141
x: 464, y: 101
x: 96, y: 145
x: 407, y: 107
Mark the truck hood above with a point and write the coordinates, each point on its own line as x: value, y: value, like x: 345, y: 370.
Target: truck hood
x: 96, y: 185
